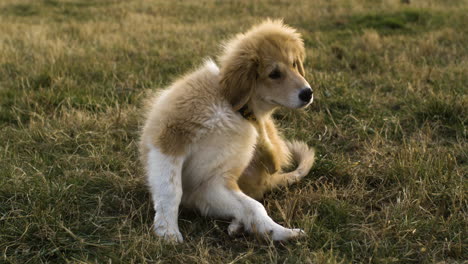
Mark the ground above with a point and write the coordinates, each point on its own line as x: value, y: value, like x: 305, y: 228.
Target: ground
x: 389, y: 123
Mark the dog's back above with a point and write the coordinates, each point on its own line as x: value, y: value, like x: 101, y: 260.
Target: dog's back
x: 202, y: 132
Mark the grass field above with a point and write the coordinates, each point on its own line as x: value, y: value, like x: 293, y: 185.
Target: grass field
x: 389, y: 124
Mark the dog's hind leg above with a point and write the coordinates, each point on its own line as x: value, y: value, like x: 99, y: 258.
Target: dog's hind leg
x: 165, y: 181
x: 301, y: 154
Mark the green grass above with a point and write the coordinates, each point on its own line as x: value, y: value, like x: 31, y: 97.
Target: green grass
x: 389, y: 124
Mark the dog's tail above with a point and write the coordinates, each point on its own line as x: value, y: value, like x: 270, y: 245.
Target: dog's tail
x: 302, y: 155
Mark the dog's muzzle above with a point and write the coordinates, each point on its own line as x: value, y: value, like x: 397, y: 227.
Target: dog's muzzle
x: 306, y: 95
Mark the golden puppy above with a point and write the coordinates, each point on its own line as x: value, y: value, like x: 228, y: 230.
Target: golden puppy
x: 209, y: 141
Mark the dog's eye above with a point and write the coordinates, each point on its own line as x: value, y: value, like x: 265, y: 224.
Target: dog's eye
x: 294, y: 64
x: 275, y: 74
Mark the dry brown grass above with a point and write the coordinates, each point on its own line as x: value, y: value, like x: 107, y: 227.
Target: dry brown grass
x: 389, y: 124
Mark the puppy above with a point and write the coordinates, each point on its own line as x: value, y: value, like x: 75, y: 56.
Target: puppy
x: 209, y: 141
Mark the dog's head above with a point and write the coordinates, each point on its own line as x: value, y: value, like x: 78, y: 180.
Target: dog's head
x: 265, y: 64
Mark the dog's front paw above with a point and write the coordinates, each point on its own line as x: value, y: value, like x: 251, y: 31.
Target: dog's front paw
x: 169, y: 234
x: 234, y: 227
x: 287, y: 234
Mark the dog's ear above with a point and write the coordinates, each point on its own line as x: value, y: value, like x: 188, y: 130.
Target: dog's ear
x: 238, y: 80
x: 300, y: 67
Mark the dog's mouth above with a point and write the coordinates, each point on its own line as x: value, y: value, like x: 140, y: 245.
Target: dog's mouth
x: 306, y: 104
x: 275, y: 102
x: 300, y: 106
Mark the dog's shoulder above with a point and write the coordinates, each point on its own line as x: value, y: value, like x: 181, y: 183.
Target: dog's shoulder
x: 191, y: 108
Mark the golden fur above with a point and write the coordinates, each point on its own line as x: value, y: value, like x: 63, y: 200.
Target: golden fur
x: 198, y: 115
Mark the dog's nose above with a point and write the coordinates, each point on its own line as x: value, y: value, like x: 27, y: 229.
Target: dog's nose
x: 306, y: 94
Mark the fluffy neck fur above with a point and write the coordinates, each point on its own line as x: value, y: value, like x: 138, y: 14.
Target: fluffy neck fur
x: 261, y: 109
